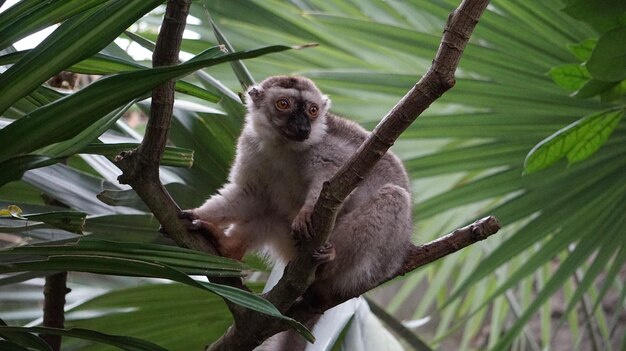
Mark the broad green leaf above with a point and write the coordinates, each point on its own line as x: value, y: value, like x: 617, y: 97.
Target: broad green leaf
x: 103, y: 64
x: 86, y: 136
x: 570, y: 77
x: 138, y: 267
x: 97, y: 64
x: 214, y: 137
x: 139, y: 228
x: 19, y: 278
x: 80, y: 189
x: 481, y: 156
x: 97, y: 264
x: 41, y: 96
x: 144, y: 42
x: 230, y: 102
x: 577, y: 141
x: 582, y: 8
x: 29, y: 16
x: 173, y: 156
x: 67, y: 220
x: 594, y: 87
x: 617, y: 92
x: 193, y: 90
x: 197, y: 319
x: 11, y: 346
x: 608, y: 59
x: 601, y: 14
x: 497, y: 184
x: 122, y: 342
x: 595, y: 136
x: 20, y: 194
x: 69, y: 116
x: 583, y: 49
x: 189, y: 261
x: 76, y: 39
x: 14, y: 168
x: 23, y: 339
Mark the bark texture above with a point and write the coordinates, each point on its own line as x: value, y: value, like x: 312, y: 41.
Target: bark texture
x: 54, y: 292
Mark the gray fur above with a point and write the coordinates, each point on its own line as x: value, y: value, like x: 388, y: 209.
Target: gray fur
x: 273, y: 178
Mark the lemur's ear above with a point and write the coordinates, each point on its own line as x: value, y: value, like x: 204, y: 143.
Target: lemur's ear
x: 256, y: 94
x: 326, y: 102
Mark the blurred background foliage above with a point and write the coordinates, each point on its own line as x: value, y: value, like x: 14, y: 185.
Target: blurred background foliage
x: 533, y: 133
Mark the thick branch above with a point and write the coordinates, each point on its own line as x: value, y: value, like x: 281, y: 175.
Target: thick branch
x: 141, y: 166
x: 165, y: 53
x: 300, y: 273
x: 55, y: 287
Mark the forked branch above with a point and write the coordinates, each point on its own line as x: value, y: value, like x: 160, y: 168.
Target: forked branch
x: 141, y: 172
x: 300, y: 273
x: 141, y: 166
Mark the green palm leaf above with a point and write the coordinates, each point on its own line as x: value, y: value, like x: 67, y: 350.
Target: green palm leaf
x: 33, y: 131
x: 122, y: 342
x: 76, y: 39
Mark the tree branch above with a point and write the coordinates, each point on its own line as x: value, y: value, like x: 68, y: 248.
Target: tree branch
x: 422, y: 255
x: 141, y: 166
x: 55, y: 287
x: 247, y: 333
x: 54, y: 292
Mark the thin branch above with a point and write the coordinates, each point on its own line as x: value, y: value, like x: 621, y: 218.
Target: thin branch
x: 55, y: 287
x: 422, y: 255
x: 54, y: 292
x: 247, y: 333
x: 141, y: 166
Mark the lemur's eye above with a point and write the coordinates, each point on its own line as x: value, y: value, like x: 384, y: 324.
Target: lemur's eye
x: 282, y: 103
x: 314, y: 110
